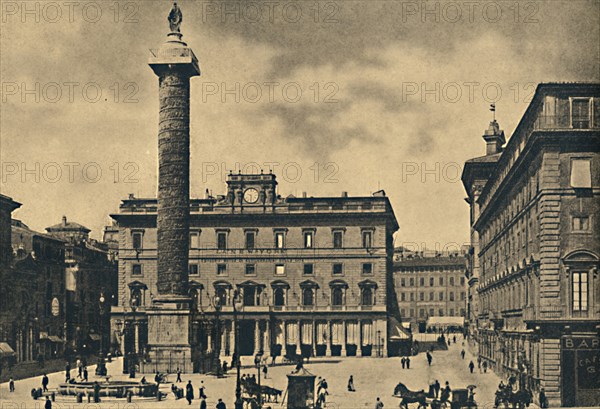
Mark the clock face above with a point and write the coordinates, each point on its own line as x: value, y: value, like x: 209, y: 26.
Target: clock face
x: 251, y: 195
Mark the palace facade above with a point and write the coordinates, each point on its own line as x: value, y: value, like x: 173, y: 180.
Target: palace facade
x: 305, y: 275
x: 536, y: 245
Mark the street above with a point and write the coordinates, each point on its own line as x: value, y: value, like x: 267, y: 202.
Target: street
x: 373, y: 377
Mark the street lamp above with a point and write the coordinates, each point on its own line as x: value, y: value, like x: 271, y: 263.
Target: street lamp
x: 257, y: 363
x: 101, y: 367
x: 237, y: 304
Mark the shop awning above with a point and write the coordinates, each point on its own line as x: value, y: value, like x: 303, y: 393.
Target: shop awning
x: 445, y: 321
x: 54, y: 338
x: 6, y: 350
x: 397, y: 331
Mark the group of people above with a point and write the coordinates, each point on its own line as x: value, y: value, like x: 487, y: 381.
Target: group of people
x: 405, y: 362
x: 322, y: 392
x: 436, y: 387
x: 189, y: 393
x: 82, y: 372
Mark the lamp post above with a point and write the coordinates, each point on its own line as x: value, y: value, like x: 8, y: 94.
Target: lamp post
x: 133, y: 355
x: 257, y: 364
x: 101, y: 367
x: 237, y: 304
x: 217, y: 362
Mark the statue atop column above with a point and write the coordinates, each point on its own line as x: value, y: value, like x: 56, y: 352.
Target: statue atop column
x: 175, y: 18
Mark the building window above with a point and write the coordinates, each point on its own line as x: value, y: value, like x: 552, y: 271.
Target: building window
x: 451, y: 312
x: 581, y: 173
x: 279, y: 296
x: 422, y: 312
x: 462, y: 296
x: 441, y: 296
x: 308, y: 298
x: 451, y: 281
x: 462, y: 281
x: 194, y: 240
x: 431, y: 312
x: 193, y: 269
x: 338, y: 269
x: 412, y: 281
x: 402, y: 312
x: 580, y: 113
x: 431, y: 295
x: 421, y: 296
x: 581, y: 223
x: 462, y: 312
x: 422, y: 281
x: 279, y: 240
x: 250, y: 240
x: 337, y: 296
x: 250, y: 269
x: 441, y: 280
x: 412, y: 313
x: 441, y: 312
x: 308, y: 269
x: 367, y: 239
x: 403, y: 282
x: 137, y: 239
x: 451, y: 297
x: 338, y: 239
x: 580, y: 291
x: 136, y: 269
x: 221, y: 293
x: 367, y: 268
x: 366, y: 296
x: 431, y: 279
x: 412, y: 296
x: 136, y: 297
x: 280, y: 269
x: 308, y: 240
x: 221, y: 269
x: 221, y: 240
x: 402, y: 296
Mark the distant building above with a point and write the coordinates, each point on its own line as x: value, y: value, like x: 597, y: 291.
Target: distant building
x: 535, y: 218
x: 313, y: 274
x: 32, y: 295
x: 430, y: 287
x: 91, y: 276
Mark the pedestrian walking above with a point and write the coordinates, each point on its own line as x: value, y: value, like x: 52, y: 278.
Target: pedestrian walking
x: 201, y: 393
x: 437, y: 388
x: 462, y: 354
x: 265, y: 371
x: 79, y: 368
x: 471, y: 366
x: 407, y: 362
x: 485, y: 365
x: 203, y: 404
x: 45, y: 383
x: 189, y: 392
x: 454, y: 339
x: 479, y: 363
x: 429, y: 358
x: 378, y: 404
x: 96, y: 392
x: 48, y: 404
x: 85, y: 374
x: 67, y: 372
x: 178, y: 375
x: 543, y: 399
x: 11, y: 385
x: 351, y: 384
x: 221, y: 404
x: 403, y: 360
x: 224, y: 367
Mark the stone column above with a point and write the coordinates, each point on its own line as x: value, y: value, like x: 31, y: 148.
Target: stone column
x: 299, y: 338
x: 328, y: 340
x: 267, y: 339
x: 314, y: 338
x: 232, y: 338
x: 209, y: 344
x: 284, y: 332
x: 343, y: 353
x: 256, y: 337
x: 359, y: 346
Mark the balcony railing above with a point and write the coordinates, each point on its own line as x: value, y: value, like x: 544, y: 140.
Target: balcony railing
x: 564, y: 122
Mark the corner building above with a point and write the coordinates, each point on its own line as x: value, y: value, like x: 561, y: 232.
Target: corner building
x: 537, y: 227
x: 313, y: 274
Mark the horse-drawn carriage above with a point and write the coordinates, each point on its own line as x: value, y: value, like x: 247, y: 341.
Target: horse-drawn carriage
x: 251, y: 392
x: 457, y: 399
x: 507, y: 396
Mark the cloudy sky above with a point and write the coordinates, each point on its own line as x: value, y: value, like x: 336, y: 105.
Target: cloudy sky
x: 334, y: 96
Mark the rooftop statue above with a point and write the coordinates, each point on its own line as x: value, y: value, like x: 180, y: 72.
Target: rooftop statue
x: 175, y: 18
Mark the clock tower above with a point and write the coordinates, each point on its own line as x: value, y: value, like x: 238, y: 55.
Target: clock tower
x: 250, y: 190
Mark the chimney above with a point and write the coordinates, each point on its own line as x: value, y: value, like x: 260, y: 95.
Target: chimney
x: 304, y: 195
x: 494, y: 139
x: 64, y: 220
x: 344, y: 194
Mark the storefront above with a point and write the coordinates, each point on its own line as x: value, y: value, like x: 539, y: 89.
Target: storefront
x: 580, y: 370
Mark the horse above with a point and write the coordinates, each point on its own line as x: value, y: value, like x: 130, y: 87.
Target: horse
x: 519, y: 399
x: 409, y: 396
